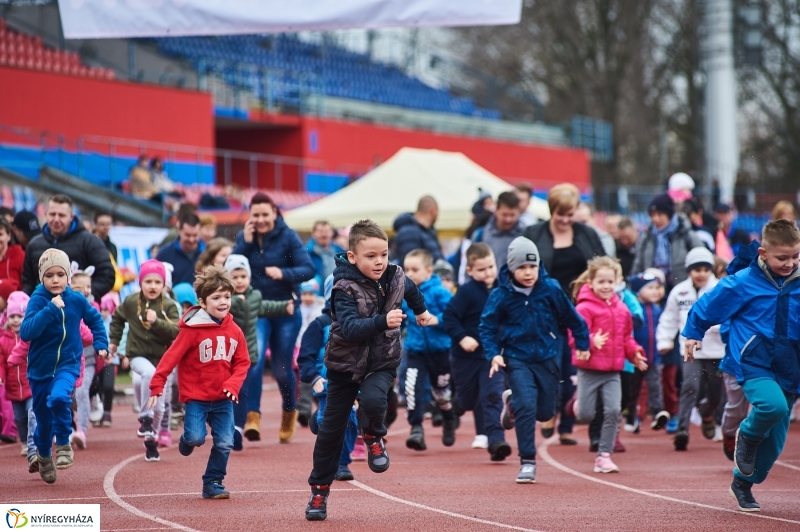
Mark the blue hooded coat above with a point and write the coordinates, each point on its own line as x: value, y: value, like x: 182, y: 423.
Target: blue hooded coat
x: 529, y: 327
x: 429, y: 339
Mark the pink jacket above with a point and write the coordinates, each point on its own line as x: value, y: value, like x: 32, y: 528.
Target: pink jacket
x: 612, y: 317
x: 13, y: 366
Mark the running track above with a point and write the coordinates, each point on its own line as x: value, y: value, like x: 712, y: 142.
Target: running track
x: 441, y: 489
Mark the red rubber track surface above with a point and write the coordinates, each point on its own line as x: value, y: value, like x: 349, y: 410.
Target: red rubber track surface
x: 441, y: 489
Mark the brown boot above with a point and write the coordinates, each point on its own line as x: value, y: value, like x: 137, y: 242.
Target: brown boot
x: 288, y: 420
x: 252, y: 426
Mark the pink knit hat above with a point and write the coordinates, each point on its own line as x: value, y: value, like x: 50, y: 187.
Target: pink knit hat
x: 151, y: 267
x: 17, y: 303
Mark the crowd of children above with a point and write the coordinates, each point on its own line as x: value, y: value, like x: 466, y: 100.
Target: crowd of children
x: 492, y: 346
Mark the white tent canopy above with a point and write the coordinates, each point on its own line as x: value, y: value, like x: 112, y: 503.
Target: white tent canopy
x: 395, y: 187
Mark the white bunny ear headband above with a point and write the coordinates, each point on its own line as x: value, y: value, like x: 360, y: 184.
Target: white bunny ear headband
x: 76, y: 269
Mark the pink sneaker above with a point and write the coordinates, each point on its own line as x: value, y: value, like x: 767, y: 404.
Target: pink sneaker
x: 78, y: 437
x: 603, y: 464
x: 359, y: 453
x: 164, y: 438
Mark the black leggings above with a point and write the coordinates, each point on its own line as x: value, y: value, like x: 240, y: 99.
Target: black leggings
x: 107, y: 386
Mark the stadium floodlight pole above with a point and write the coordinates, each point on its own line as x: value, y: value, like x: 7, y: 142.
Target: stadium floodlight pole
x: 722, y: 145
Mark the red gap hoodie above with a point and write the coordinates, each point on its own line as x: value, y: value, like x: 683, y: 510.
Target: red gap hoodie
x: 211, y: 357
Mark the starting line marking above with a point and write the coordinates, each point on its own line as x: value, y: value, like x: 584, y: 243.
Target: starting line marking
x: 784, y: 464
x: 437, y: 510
x: 543, y: 452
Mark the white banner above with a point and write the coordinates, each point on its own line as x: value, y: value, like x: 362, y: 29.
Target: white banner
x: 96, y: 19
x: 52, y: 517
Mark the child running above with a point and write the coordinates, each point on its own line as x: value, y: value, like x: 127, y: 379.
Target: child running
x: 52, y: 326
x: 209, y: 382
x: 12, y: 369
x: 362, y: 354
x: 701, y: 373
x: 428, y: 349
x: 760, y: 302
x: 520, y: 331
x: 246, y: 307
x: 468, y: 363
x: 611, y: 330
x: 152, y: 320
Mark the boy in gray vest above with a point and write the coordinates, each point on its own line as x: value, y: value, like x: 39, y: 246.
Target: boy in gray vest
x: 362, y: 354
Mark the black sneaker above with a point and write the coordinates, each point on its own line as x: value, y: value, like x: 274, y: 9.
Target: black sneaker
x: 184, y: 448
x: 317, y: 507
x: 499, y: 450
x: 238, y: 445
x: 745, y: 454
x: 449, y: 431
x: 741, y: 490
x: 303, y: 418
x: 436, y: 416
x: 344, y: 473
x: 660, y: 420
x: 681, y: 440
x: 377, y: 458
x: 594, y: 446
x: 215, y: 490
x: 416, y: 440
x: 146, y: 428
x: 151, y: 451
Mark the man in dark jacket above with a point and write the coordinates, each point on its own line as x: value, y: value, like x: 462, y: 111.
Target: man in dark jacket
x: 416, y: 231
x: 502, y: 228
x: 66, y: 232
x: 184, y: 252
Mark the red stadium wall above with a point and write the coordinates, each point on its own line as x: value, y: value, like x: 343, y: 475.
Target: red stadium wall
x: 75, y: 106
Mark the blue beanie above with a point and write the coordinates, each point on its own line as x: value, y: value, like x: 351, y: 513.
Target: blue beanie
x: 184, y: 293
x: 638, y: 282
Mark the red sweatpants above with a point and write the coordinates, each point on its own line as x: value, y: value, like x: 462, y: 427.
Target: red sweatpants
x: 670, y: 389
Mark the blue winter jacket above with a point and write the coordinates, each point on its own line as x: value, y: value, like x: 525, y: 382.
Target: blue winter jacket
x: 311, y: 359
x: 281, y: 248
x: 429, y: 339
x: 183, y: 263
x: 645, y: 334
x: 730, y: 362
x: 411, y: 235
x: 764, y: 327
x: 463, y: 316
x: 528, y: 327
x: 54, y: 333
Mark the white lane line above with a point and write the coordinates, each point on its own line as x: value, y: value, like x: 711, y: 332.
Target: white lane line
x: 171, y: 494
x: 129, y: 529
x: 108, y: 487
x: 437, y: 510
x: 784, y: 464
x: 544, y: 453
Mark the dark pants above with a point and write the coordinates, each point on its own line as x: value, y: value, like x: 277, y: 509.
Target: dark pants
x: 219, y: 416
x: 240, y: 409
x: 107, y: 376
x: 342, y: 393
x: 566, y: 388
x: 534, y: 387
x: 279, y: 335
x: 428, y: 367
x: 51, y: 401
x: 697, y: 375
x: 21, y: 417
x: 477, y: 392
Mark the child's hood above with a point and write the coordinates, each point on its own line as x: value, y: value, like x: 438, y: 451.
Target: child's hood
x: 431, y: 284
x: 747, y: 256
x: 197, y: 317
x: 586, y: 295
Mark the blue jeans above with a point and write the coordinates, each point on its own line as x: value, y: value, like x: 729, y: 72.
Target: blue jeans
x: 566, y: 388
x: 219, y: 416
x: 21, y: 417
x: 279, y: 335
x: 534, y: 387
x: 51, y: 400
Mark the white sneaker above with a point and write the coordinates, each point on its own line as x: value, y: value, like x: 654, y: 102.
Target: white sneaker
x: 480, y: 442
x: 96, y: 414
x: 717, y: 433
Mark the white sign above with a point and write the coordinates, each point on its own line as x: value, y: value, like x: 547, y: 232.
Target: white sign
x: 52, y: 517
x: 97, y: 19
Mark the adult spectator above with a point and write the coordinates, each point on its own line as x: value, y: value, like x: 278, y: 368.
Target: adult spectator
x: 503, y: 227
x: 784, y: 210
x: 694, y: 212
x: 12, y: 256
x: 564, y: 249
x: 585, y: 214
x: 459, y: 259
x: 416, y: 230
x: 279, y: 263
x: 102, y: 227
x: 25, y: 227
x: 140, y: 181
x: 159, y: 176
x: 208, y: 227
x: 65, y: 231
x: 667, y: 241
x: 181, y: 210
x: 627, y: 236
x: 322, y: 249
x: 7, y: 213
x: 728, y: 233
x: 184, y: 252
x: 524, y: 193
x: 612, y: 225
